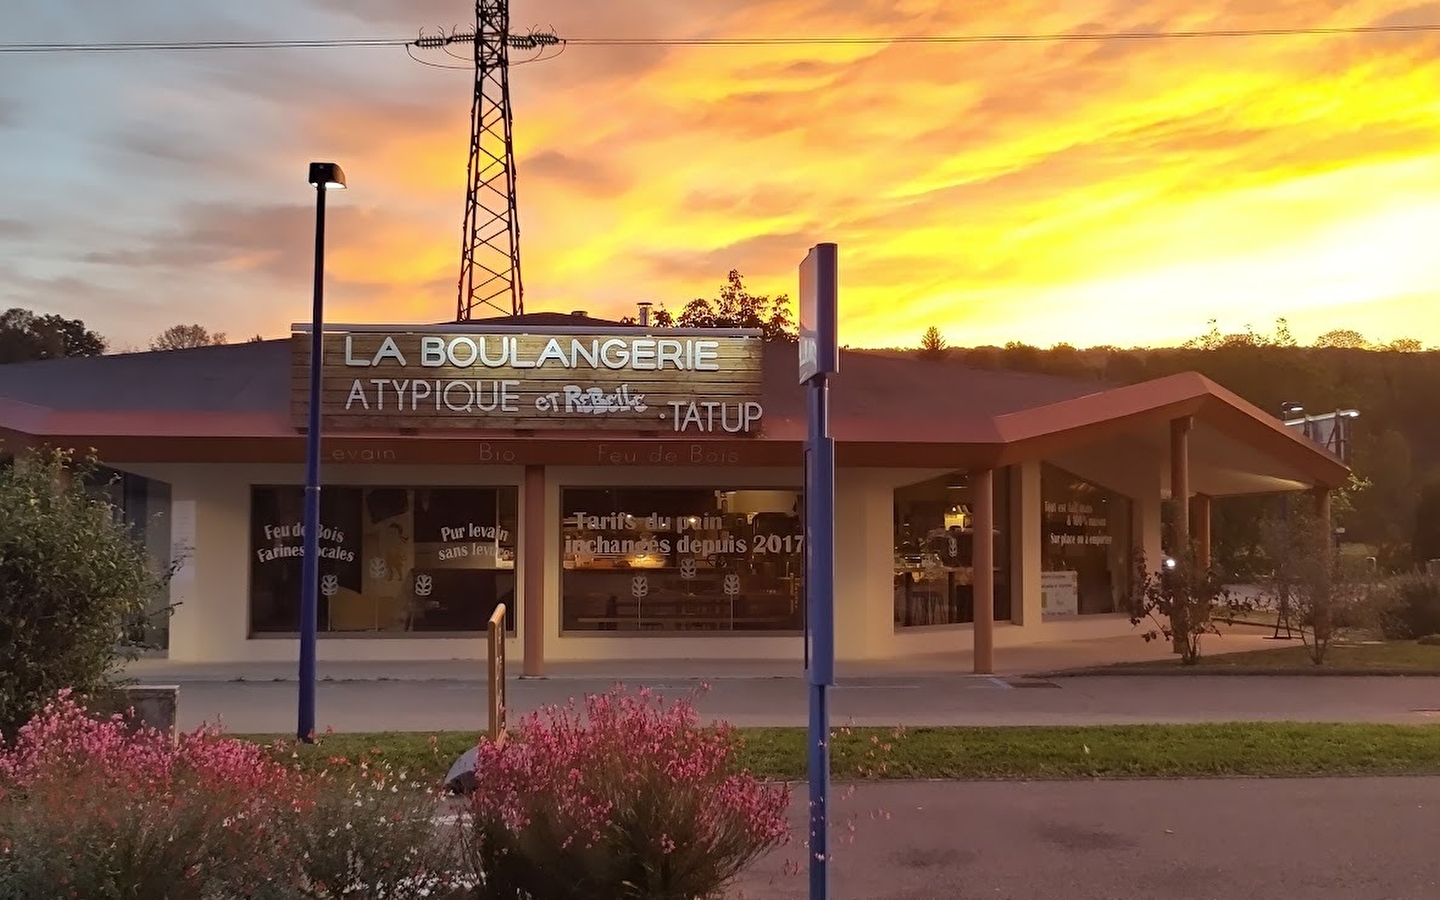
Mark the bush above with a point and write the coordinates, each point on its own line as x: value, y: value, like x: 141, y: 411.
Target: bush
x: 369, y: 832
x: 1413, y: 606
x: 629, y: 801
x: 71, y: 578
x: 97, y: 808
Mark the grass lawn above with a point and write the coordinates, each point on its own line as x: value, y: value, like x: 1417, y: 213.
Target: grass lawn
x: 1391, y: 656
x: 1132, y: 751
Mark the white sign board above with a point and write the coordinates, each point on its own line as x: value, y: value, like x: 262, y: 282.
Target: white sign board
x: 1059, y: 594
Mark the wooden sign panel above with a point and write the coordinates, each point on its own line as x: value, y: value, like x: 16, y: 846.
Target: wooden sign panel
x: 688, y: 384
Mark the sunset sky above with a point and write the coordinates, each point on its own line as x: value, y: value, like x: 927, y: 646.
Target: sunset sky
x: 1091, y: 193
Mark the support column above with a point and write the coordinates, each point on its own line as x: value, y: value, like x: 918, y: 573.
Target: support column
x: 1180, y: 497
x: 1025, y: 546
x: 982, y: 489
x: 1200, y: 512
x: 1180, y: 482
x: 532, y: 562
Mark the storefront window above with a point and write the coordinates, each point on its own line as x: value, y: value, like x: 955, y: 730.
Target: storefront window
x: 427, y: 559
x: 935, y: 551
x: 1085, y: 546
x: 681, y: 559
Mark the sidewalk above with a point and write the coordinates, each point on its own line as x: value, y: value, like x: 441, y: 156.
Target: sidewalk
x: 1010, y: 661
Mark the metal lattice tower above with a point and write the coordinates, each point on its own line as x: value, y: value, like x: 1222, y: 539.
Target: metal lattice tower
x: 490, y: 249
x: 490, y: 238
x: 490, y: 253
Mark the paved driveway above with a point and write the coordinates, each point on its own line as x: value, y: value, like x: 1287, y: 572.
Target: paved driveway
x: 925, y: 700
x: 1317, y: 839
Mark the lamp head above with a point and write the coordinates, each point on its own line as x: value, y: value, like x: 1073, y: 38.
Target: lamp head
x: 326, y: 174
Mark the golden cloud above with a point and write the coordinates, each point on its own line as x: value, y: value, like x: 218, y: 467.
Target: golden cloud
x: 1088, y: 192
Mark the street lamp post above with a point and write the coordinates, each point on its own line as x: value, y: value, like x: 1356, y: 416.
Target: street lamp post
x: 323, y: 175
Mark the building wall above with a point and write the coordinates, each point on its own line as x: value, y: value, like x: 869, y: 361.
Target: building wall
x: 211, y: 523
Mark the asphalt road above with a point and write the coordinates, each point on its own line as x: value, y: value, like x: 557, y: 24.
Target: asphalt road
x: 269, y: 707
x: 1317, y: 839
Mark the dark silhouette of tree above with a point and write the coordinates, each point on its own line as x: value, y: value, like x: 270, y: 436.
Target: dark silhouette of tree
x: 183, y: 337
x: 1404, y: 345
x: 660, y: 317
x: 1343, y: 339
x: 24, y: 336
x: 932, y: 344
x: 736, y: 307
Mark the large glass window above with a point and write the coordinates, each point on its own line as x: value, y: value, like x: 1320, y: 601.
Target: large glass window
x: 392, y: 559
x: 681, y: 559
x: 935, y: 551
x: 1085, y: 546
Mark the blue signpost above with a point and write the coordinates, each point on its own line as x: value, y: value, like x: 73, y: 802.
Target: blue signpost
x: 819, y: 359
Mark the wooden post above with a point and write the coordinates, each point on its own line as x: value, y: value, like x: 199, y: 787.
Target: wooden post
x: 496, y: 634
x: 982, y: 489
x: 532, y: 564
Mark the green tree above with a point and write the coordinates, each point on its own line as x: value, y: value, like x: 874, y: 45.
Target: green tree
x: 932, y: 344
x: 184, y: 337
x: 736, y: 307
x: 72, y: 577
x: 24, y: 336
x: 1425, y: 539
x: 1380, y: 513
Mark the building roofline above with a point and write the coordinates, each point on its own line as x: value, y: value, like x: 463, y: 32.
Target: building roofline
x: 566, y: 330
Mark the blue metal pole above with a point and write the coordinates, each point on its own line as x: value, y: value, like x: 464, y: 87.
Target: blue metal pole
x: 820, y: 586
x: 310, y: 572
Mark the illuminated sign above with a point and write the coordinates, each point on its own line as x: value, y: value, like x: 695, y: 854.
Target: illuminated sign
x: 684, y: 382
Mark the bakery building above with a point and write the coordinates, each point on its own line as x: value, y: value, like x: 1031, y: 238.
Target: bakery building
x: 635, y: 493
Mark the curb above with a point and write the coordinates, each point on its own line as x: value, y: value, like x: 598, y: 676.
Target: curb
x: 1249, y: 672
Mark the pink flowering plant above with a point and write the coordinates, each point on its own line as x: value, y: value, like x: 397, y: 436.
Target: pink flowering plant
x: 628, y: 799
x: 95, y: 808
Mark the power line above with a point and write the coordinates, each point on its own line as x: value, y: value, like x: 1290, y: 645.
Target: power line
x: 839, y: 40
x: 159, y: 46
x: 1015, y: 38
